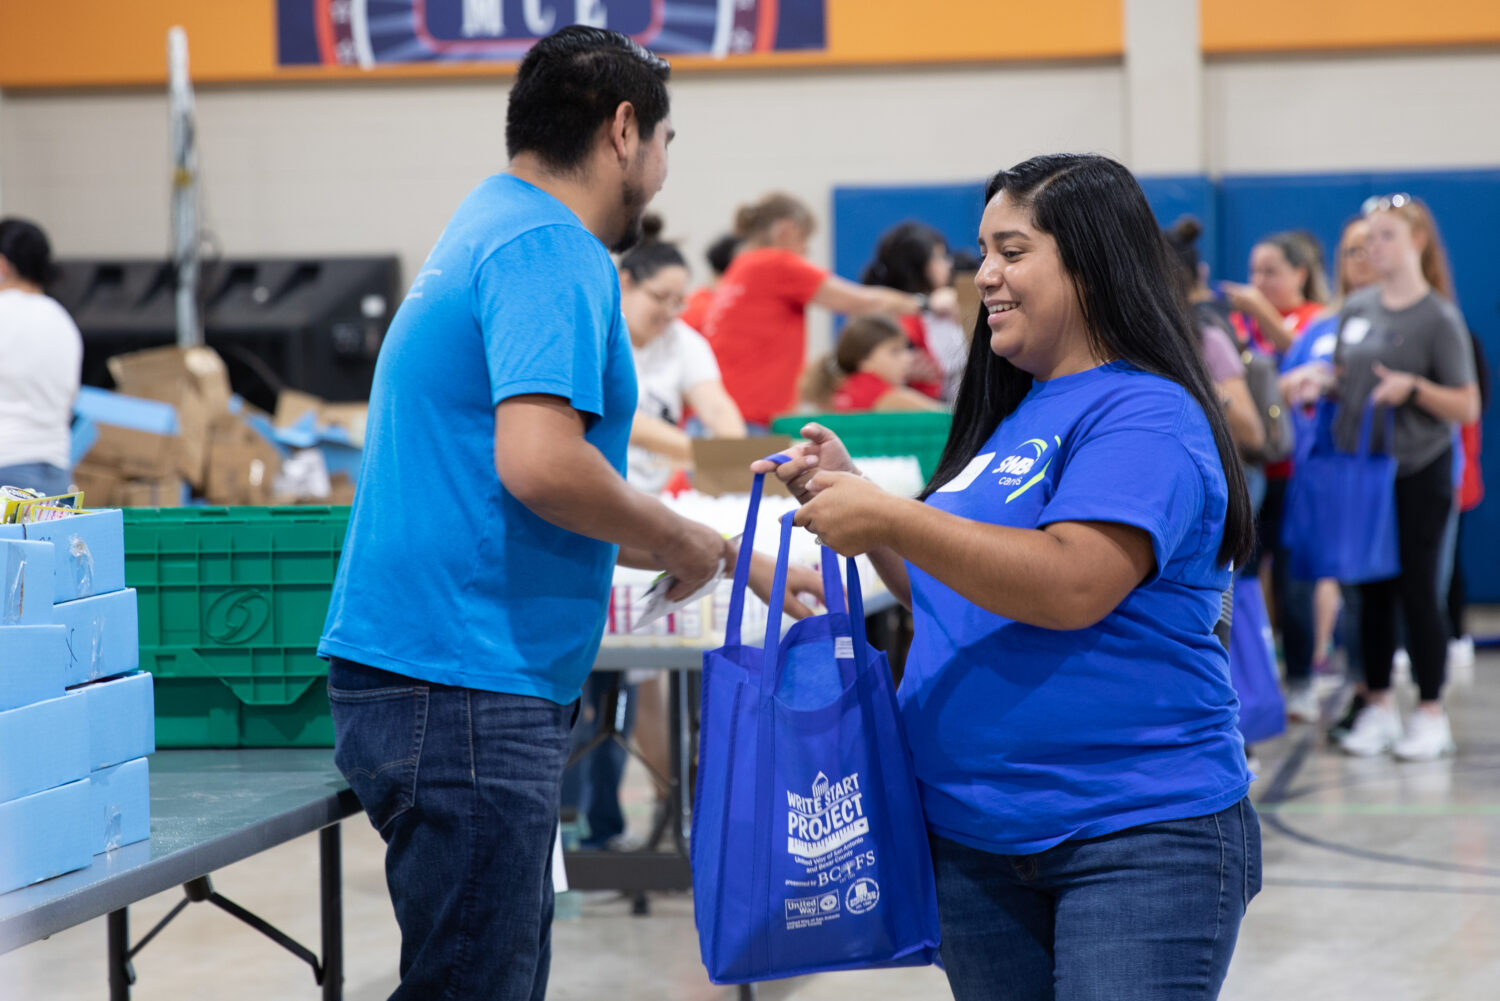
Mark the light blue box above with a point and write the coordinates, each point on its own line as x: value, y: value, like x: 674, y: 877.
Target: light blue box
x: 26, y: 583
x: 121, y: 719
x: 104, y: 636
x: 89, y: 556
x: 43, y: 745
x: 122, y: 804
x: 32, y: 659
x: 46, y: 834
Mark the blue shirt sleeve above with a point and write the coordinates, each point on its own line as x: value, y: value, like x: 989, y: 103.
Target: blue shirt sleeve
x: 1142, y: 478
x: 545, y: 303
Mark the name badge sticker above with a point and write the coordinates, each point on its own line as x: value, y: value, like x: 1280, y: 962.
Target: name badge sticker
x: 1356, y: 329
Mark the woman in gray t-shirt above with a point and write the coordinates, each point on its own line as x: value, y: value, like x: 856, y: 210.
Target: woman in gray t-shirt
x: 1403, y: 344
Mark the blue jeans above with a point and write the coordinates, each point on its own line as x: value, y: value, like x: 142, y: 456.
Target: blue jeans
x: 1147, y: 914
x: 462, y: 784
x: 43, y: 476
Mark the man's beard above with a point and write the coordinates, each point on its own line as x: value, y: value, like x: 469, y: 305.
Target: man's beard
x: 632, y: 208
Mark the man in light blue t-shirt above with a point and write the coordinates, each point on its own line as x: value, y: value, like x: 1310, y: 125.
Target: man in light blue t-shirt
x: 491, y: 510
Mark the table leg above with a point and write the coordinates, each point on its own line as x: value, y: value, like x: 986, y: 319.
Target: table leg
x: 118, y: 949
x: 332, y: 900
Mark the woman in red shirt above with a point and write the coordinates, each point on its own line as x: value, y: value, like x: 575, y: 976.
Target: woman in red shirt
x: 1286, y: 292
x: 867, y: 371
x: 757, y: 323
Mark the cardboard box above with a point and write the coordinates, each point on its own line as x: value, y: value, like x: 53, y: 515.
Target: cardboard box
x: 242, y: 464
x: 293, y: 406
x: 121, y: 804
x: 46, y: 835
x: 32, y: 659
x: 122, y: 719
x: 722, y: 465
x: 170, y: 491
x: 26, y: 583
x: 89, y: 553
x: 136, y: 436
x: 104, y: 636
x: 194, y: 381
x: 99, y: 483
x: 43, y: 745
x: 135, y: 453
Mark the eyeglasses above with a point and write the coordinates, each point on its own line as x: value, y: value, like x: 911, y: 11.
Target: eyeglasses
x: 666, y: 300
x: 1384, y: 203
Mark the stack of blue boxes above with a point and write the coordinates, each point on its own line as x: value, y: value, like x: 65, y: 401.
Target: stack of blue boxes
x: 76, y: 715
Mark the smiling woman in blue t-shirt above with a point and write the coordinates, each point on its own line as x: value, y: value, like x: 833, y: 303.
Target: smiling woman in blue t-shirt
x: 1067, y: 705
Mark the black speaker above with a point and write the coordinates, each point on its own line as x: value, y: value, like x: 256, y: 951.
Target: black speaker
x: 308, y: 323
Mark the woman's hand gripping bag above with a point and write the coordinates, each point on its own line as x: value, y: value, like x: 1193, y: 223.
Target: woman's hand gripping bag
x: 809, y: 849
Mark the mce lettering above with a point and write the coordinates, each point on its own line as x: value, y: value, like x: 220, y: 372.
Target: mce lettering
x: 486, y: 18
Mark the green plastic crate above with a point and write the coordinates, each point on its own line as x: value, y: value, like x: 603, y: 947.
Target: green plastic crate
x: 232, y: 603
x: 920, y: 434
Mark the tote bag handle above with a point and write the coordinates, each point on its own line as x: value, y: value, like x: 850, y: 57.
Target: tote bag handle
x: 770, y: 675
x: 747, y: 549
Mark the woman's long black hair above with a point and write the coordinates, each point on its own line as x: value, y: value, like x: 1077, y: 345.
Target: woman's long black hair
x: 1112, y: 248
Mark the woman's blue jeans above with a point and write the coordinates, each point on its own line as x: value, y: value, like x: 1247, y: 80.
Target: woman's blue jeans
x: 1150, y: 913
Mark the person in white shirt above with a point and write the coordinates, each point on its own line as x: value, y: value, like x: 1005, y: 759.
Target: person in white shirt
x: 41, y: 360
x: 675, y: 369
x: 674, y: 364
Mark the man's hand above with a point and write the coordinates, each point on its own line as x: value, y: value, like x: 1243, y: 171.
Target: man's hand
x: 848, y: 513
x: 822, y: 450
x: 693, y: 557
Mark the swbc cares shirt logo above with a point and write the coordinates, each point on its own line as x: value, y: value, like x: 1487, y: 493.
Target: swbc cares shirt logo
x: 1016, y: 470
x: 826, y: 821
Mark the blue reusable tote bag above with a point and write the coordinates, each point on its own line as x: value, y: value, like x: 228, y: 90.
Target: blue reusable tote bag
x: 1252, y: 664
x: 1340, y: 519
x: 809, y: 848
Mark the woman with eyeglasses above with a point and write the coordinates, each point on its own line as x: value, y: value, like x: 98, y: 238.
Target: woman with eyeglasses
x: 1404, y: 345
x: 757, y: 323
x: 1066, y: 701
x: 674, y: 365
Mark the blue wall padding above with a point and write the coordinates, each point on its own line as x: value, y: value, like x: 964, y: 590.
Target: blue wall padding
x: 1238, y: 210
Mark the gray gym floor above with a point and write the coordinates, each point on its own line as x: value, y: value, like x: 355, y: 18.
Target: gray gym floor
x: 1382, y: 884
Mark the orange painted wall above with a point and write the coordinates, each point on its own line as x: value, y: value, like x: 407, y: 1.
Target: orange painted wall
x: 83, y: 43
x: 1231, y: 26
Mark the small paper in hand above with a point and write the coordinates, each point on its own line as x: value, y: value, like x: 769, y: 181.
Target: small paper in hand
x: 654, y: 605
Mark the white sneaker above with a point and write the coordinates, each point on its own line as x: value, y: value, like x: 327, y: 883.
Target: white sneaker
x: 1461, y: 653
x: 1428, y: 737
x: 1376, y: 730
x: 1302, y: 704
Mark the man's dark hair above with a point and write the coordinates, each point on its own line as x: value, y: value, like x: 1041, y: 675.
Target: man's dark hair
x: 570, y: 83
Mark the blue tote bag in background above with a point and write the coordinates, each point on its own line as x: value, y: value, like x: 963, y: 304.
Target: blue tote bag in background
x: 809, y: 849
x: 1340, y: 519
